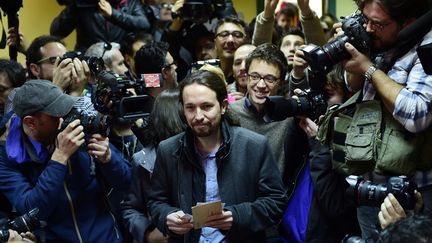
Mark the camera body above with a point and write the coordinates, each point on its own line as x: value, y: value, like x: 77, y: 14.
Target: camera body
x: 112, y: 97
x: 92, y: 123
x: 200, y: 11
x: 367, y: 193
x: 95, y: 64
x: 311, y: 104
x: 26, y: 222
x: 324, y: 58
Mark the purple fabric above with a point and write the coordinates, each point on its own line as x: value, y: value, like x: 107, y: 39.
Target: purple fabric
x: 295, y: 218
x: 15, y: 147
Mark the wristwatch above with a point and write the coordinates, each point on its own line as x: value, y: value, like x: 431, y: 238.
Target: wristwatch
x: 368, y: 74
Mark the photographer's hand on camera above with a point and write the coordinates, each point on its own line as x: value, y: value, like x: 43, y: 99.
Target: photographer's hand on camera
x: 177, y: 22
x: 392, y: 211
x: 105, y: 8
x: 299, y: 64
x: 68, y: 141
x: 62, y: 73
x: 80, y: 76
x: 98, y: 147
x: 15, y: 237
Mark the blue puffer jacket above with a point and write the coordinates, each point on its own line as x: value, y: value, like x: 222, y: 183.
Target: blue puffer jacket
x: 70, y: 198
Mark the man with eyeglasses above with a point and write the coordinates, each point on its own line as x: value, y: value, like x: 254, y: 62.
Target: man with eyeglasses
x: 265, y: 66
x: 230, y: 34
x: 43, y: 61
x: 402, y: 86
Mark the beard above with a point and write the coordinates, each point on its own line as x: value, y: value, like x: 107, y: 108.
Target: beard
x: 202, y: 131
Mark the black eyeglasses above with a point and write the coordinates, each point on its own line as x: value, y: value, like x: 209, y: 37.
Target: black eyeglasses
x: 168, y: 65
x: 107, y: 47
x: 269, y: 80
x: 235, y: 34
x: 51, y: 60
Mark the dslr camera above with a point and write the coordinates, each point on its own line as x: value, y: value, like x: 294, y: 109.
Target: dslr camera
x: 324, y: 58
x: 27, y: 222
x: 112, y: 97
x: 95, y: 64
x: 92, y: 123
x: 199, y: 11
x: 367, y: 193
x: 321, y: 61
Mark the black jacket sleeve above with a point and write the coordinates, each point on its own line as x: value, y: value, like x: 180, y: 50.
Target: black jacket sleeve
x: 65, y: 23
x: 330, y: 186
x: 131, y: 19
x: 134, y: 206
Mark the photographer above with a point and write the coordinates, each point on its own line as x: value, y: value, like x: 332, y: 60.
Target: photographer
x: 62, y: 174
x: 403, y: 87
x: 44, y: 61
x: 100, y: 20
x: 332, y: 211
x: 400, y: 86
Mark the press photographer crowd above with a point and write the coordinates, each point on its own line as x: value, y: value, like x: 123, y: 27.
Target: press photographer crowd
x: 176, y: 121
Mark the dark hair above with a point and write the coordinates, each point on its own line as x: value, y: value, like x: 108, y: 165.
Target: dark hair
x: 399, y: 10
x: 271, y: 54
x: 230, y: 19
x: 195, y: 33
x: 416, y: 228
x: 289, y: 9
x: 166, y: 118
x: 214, y: 82
x: 208, y: 79
x: 33, y: 52
x: 14, y: 72
x: 291, y: 31
x: 129, y: 39
x: 151, y: 57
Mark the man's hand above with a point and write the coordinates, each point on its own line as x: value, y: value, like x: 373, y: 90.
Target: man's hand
x: 68, y: 141
x: 105, y: 8
x: 221, y: 221
x: 359, y: 63
x: 177, y: 224
x: 237, y: 95
x: 418, y: 207
x: 80, y: 75
x: 299, y: 64
x: 62, y: 73
x: 155, y: 236
x: 391, y: 211
x: 308, y: 126
x: 98, y: 147
x: 269, y: 8
x: 304, y: 7
x: 12, y: 40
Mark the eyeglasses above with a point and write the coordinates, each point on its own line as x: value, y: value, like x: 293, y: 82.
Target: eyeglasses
x: 235, y: 34
x: 269, y: 80
x: 168, y: 65
x: 374, y: 25
x: 51, y: 60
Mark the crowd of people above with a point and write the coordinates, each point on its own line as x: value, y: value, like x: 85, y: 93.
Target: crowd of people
x: 291, y: 128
